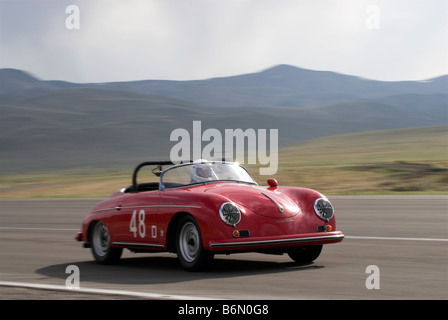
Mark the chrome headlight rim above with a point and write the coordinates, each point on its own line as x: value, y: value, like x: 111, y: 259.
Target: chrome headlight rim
x: 323, y: 209
x: 230, y: 213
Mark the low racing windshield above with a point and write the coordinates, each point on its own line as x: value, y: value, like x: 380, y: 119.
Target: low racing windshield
x: 203, y: 172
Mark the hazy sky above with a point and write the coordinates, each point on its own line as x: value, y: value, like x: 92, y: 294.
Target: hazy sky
x: 197, y: 39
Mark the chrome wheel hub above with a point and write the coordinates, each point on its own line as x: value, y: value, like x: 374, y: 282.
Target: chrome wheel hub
x: 189, y: 242
x: 101, y: 239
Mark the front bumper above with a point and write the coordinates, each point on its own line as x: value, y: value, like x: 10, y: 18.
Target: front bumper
x: 277, y: 242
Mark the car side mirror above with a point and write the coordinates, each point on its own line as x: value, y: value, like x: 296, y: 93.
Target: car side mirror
x: 272, y: 183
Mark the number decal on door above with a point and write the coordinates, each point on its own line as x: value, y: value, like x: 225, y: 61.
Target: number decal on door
x: 141, y: 228
x: 154, y: 231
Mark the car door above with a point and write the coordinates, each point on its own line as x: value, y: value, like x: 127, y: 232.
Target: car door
x: 137, y: 218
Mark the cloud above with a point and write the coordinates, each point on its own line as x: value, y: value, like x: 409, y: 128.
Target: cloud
x: 196, y: 39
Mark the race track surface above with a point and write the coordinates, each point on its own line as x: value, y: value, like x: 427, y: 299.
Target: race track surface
x: 405, y: 238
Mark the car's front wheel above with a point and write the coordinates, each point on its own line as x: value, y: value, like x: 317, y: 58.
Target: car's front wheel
x: 102, y: 251
x: 190, y: 252
x: 305, y: 254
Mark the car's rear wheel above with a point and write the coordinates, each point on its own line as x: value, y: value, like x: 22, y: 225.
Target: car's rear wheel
x: 101, y: 248
x: 190, y: 252
x: 305, y: 254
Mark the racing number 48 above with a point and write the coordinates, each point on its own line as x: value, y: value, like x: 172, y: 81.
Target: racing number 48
x: 141, y: 228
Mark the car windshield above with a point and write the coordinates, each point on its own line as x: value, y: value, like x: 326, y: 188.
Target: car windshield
x: 203, y: 172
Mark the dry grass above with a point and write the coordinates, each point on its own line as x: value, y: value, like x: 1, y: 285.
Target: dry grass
x: 380, y: 162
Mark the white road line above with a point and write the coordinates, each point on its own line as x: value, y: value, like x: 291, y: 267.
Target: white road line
x: 42, y: 229
x: 346, y: 236
x: 147, y: 295
x: 395, y: 238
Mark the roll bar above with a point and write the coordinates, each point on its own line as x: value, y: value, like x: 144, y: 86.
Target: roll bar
x: 148, y: 163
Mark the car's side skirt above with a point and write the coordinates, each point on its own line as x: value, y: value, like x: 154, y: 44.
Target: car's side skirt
x: 138, y: 245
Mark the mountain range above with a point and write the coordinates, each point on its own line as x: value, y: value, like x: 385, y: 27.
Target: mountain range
x: 57, y: 125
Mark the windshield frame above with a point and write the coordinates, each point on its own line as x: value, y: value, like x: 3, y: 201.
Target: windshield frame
x: 163, y: 187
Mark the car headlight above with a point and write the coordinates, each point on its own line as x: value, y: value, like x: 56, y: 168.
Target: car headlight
x: 323, y: 209
x: 230, y: 213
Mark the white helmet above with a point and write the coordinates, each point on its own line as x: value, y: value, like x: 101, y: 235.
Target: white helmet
x: 202, y: 171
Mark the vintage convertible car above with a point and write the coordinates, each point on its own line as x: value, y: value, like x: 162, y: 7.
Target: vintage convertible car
x: 204, y: 208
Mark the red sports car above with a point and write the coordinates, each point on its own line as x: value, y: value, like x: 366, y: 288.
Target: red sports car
x: 204, y: 208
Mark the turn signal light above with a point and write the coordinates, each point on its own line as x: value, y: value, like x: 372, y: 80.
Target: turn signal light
x: 325, y: 228
x: 241, y: 233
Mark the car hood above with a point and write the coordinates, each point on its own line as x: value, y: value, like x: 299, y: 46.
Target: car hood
x: 260, y: 200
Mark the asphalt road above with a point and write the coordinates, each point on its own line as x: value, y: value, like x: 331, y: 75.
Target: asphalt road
x: 404, y: 237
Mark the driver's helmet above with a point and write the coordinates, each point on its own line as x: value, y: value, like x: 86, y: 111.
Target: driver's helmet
x: 201, y: 171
